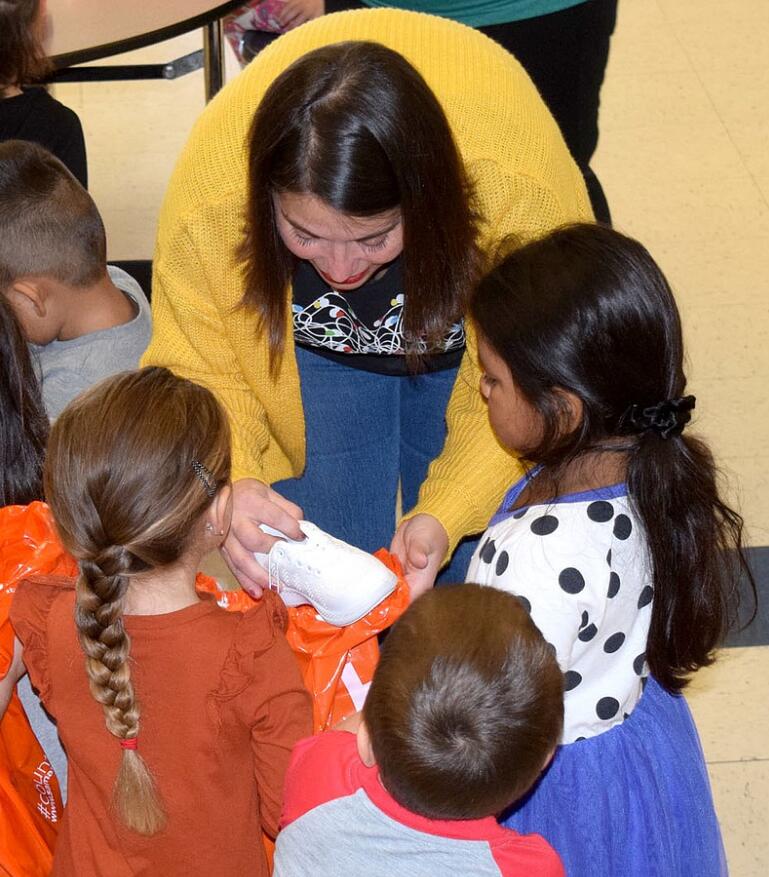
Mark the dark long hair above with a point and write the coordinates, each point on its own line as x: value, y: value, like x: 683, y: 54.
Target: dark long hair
x: 587, y: 310
x: 22, y: 57
x: 23, y: 421
x: 357, y: 126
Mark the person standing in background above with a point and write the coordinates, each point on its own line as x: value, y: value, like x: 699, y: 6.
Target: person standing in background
x: 253, y: 26
x: 562, y: 44
x: 388, y: 154
x: 30, y: 113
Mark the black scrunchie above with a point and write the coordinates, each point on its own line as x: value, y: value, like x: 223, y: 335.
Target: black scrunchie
x: 666, y: 418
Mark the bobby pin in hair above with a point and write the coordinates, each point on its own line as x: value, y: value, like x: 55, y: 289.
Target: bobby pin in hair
x: 206, y: 478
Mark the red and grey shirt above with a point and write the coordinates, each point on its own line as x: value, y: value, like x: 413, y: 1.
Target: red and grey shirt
x: 339, y: 819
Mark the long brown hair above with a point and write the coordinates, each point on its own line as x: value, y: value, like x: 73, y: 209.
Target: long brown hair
x: 126, y: 499
x: 358, y: 127
x: 587, y: 310
x: 22, y: 57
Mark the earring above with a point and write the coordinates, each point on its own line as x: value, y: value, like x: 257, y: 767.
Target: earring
x: 209, y: 527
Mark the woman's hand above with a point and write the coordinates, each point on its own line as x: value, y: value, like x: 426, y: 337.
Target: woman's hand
x: 254, y: 503
x: 420, y: 544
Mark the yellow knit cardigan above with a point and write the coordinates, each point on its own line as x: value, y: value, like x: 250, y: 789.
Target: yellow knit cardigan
x: 526, y: 184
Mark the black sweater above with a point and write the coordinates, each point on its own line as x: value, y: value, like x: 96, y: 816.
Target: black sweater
x: 35, y: 115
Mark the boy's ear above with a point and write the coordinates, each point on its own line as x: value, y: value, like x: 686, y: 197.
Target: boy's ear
x: 365, y: 751
x: 28, y: 294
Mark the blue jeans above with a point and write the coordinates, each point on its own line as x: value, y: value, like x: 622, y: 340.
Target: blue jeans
x: 366, y: 433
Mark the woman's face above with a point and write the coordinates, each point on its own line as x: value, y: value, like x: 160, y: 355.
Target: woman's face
x: 345, y: 250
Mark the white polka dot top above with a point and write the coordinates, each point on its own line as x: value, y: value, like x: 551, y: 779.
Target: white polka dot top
x: 580, y: 566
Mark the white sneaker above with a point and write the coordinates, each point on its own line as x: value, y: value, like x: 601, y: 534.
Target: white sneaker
x: 342, y: 582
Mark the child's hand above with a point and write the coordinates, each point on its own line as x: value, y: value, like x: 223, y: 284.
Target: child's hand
x: 255, y: 503
x: 420, y: 544
x: 296, y: 12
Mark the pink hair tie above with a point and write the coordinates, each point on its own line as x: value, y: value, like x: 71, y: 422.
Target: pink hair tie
x: 130, y: 743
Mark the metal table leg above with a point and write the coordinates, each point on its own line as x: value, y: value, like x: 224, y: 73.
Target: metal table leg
x: 213, y: 55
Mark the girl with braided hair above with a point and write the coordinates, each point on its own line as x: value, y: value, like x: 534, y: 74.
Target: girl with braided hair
x: 613, y: 541
x: 183, y: 721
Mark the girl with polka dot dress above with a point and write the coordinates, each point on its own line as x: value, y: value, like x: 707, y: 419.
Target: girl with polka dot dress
x: 613, y: 540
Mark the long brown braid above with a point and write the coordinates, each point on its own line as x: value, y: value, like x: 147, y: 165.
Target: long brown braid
x: 126, y: 499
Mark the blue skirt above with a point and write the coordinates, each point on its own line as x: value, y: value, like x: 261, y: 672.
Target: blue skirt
x: 634, y: 801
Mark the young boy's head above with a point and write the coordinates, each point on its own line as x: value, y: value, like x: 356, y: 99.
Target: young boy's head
x: 52, y: 237
x: 466, y: 704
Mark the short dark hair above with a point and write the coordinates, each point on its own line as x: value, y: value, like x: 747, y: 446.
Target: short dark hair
x: 586, y: 309
x: 465, y: 705
x: 23, y: 421
x: 358, y: 127
x: 50, y: 224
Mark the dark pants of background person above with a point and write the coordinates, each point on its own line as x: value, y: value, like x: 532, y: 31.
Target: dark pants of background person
x: 565, y: 54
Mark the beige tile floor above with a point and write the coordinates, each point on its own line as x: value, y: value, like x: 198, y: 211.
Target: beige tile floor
x: 684, y: 161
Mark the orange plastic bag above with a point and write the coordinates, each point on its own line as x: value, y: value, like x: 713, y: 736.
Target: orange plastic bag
x: 30, y: 802
x: 337, y: 663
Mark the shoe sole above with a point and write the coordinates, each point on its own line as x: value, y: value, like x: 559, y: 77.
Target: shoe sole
x: 294, y: 598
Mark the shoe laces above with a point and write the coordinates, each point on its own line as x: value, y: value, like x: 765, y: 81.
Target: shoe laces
x: 275, y: 582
